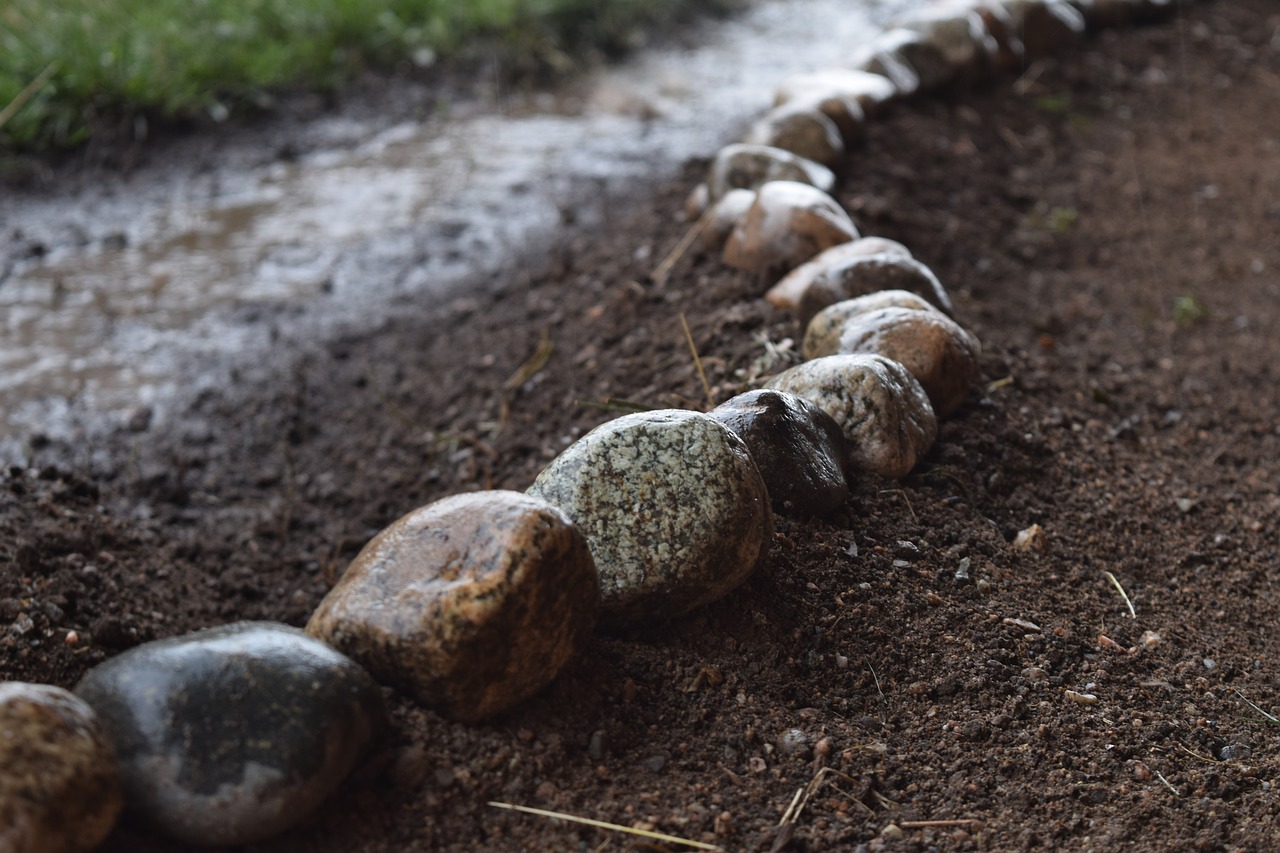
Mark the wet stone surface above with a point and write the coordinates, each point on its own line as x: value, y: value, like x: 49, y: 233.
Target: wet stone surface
x: 746, y: 166
x: 60, y: 788
x: 802, y: 129
x: 471, y: 604
x: 884, y: 413
x: 788, y: 292
x: 787, y: 225
x: 858, y: 276
x: 674, y: 508
x: 723, y: 217
x: 872, y: 92
x: 798, y: 448
x: 822, y: 337
x: 233, y: 734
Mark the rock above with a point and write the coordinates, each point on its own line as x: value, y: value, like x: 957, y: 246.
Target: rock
x: 900, y: 47
x: 876, y: 59
x: 845, y: 113
x: 858, y: 276
x: 788, y: 292
x: 795, y: 743
x: 885, y: 415
x: 60, y: 789
x: 674, y: 508
x: 822, y: 337
x: 1033, y: 540
x: 957, y: 32
x: 872, y: 92
x: 747, y: 167
x: 801, y: 129
x: 1118, y: 13
x: 787, y: 225
x: 724, y: 215
x: 472, y: 604
x: 1044, y: 26
x: 941, y: 355
x: 798, y: 448
x: 698, y: 200
x: 1009, y: 52
x: 234, y: 734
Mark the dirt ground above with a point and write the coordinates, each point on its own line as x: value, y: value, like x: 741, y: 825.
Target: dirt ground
x: 1110, y: 229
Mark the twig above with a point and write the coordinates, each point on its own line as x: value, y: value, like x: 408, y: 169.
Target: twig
x: 663, y: 270
x: 28, y: 92
x: 905, y: 500
x: 1132, y: 613
x: 926, y: 824
x: 792, y: 814
x: 697, y: 362
x: 1160, y: 776
x: 599, y: 824
x: 1270, y: 717
x: 1189, y: 751
x: 533, y: 364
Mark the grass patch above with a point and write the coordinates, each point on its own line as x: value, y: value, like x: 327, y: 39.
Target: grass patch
x: 120, y: 62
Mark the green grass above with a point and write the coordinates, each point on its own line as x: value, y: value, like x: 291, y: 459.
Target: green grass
x: 116, y: 61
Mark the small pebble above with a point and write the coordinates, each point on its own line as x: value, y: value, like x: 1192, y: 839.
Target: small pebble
x: 472, y: 604
x: 234, y: 734
x: 60, y: 789
x: 1080, y: 698
x: 787, y: 225
x: 891, y: 832
x: 794, y: 742
x: 1032, y: 540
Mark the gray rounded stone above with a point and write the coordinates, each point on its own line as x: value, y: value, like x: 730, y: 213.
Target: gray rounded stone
x: 673, y: 507
x: 798, y: 448
x: 822, y: 337
x: 233, y: 734
x: 790, y: 289
x: 858, y: 276
x: 60, y: 789
x: 472, y: 604
x: 786, y: 225
x: 802, y: 129
x: 741, y: 166
x: 885, y: 415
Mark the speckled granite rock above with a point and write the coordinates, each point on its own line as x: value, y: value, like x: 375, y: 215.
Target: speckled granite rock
x: 884, y: 413
x: 788, y: 292
x: 787, y: 225
x: 472, y: 603
x: 234, y: 734
x: 941, y: 355
x: 60, y: 789
x: 872, y: 92
x: 725, y: 215
x: 674, y: 508
x: 859, y: 276
x: 822, y: 337
x: 802, y: 129
x: 747, y: 167
x: 798, y: 448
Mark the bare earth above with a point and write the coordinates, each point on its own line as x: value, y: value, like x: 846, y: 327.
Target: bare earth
x: 1110, y: 229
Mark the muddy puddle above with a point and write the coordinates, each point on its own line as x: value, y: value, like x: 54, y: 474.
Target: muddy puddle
x: 119, y: 300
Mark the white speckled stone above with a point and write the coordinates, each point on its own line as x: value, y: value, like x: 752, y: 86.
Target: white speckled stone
x: 788, y: 292
x: 746, y: 167
x: 60, y: 789
x: 673, y: 506
x: 858, y: 276
x: 937, y: 351
x: 886, y: 416
x: 787, y: 225
x: 871, y: 91
x: 822, y: 337
x: 723, y: 217
x: 802, y: 129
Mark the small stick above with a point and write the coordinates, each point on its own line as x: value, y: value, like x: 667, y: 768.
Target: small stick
x: 697, y: 362
x: 533, y: 364
x: 905, y: 500
x: 1132, y: 613
x: 792, y: 813
x: 28, y: 92
x: 1256, y: 708
x: 663, y: 270
x: 599, y: 824
x: 1160, y: 776
x: 1189, y: 751
x: 925, y: 824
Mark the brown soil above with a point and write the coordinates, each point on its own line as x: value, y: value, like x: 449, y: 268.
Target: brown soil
x: 1111, y: 232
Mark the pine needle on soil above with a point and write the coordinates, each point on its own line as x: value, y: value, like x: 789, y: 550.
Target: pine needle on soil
x: 1132, y: 613
x: 600, y: 824
x: 697, y: 362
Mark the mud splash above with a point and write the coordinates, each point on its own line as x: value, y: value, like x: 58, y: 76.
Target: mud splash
x: 121, y: 299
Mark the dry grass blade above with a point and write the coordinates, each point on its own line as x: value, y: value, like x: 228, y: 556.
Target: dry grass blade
x: 28, y: 92
x: 600, y: 824
x: 1132, y: 613
x: 535, y: 363
x: 926, y: 824
x: 1167, y: 784
x: 697, y: 362
x: 1270, y: 717
x: 663, y: 270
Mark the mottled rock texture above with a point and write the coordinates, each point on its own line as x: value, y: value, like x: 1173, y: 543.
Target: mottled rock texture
x: 822, y: 336
x: 723, y: 217
x: 746, y: 167
x: 472, y: 604
x: 786, y: 225
x: 858, y: 276
x: 802, y: 129
x: 674, y: 508
x: 788, y: 292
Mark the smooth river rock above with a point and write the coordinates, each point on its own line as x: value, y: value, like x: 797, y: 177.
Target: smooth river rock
x: 940, y: 354
x: 741, y: 166
x: 1045, y: 26
x: 907, y: 58
x: 234, y: 734
x: 803, y: 129
x: 822, y: 337
x: 872, y: 92
x: 786, y: 225
x: 885, y: 415
x: 723, y: 217
x: 60, y: 789
x: 673, y: 505
x: 798, y: 448
x: 788, y: 292
x: 858, y: 276
x: 957, y: 31
x: 472, y: 604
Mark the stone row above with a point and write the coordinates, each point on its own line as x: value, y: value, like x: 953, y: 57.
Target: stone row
x: 474, y: 603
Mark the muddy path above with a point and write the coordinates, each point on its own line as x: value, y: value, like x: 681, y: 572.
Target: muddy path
x: 1110, y: 230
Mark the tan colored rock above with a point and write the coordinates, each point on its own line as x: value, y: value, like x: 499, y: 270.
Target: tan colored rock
x: 60, y: 788
x: 822, y: 337
x: 696, y: 203
x: 801, y: 129
x: 941, y: 355
x: 788, y: 292
x: 1032, y: 540
x: 723, y: 216
x: 787, y: 225
x: 673, y: 505
x: 885, y: 415
x: 742, y: 166
x: 472, y: 603
x: 872, y: 92
x: 858, y: 276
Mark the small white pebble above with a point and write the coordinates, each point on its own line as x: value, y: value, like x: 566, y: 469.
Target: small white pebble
x: 1080, y: 698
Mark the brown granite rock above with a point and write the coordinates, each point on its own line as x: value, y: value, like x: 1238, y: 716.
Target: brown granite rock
x: 822, y: 337
x: 790, y: 289
x: 471, y: 604
x: 787, y: 225
x: 858, y: 276
x: 885, y: 415
x: 60, y: 789
x: 801, y: 128
x: 747, y: 167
